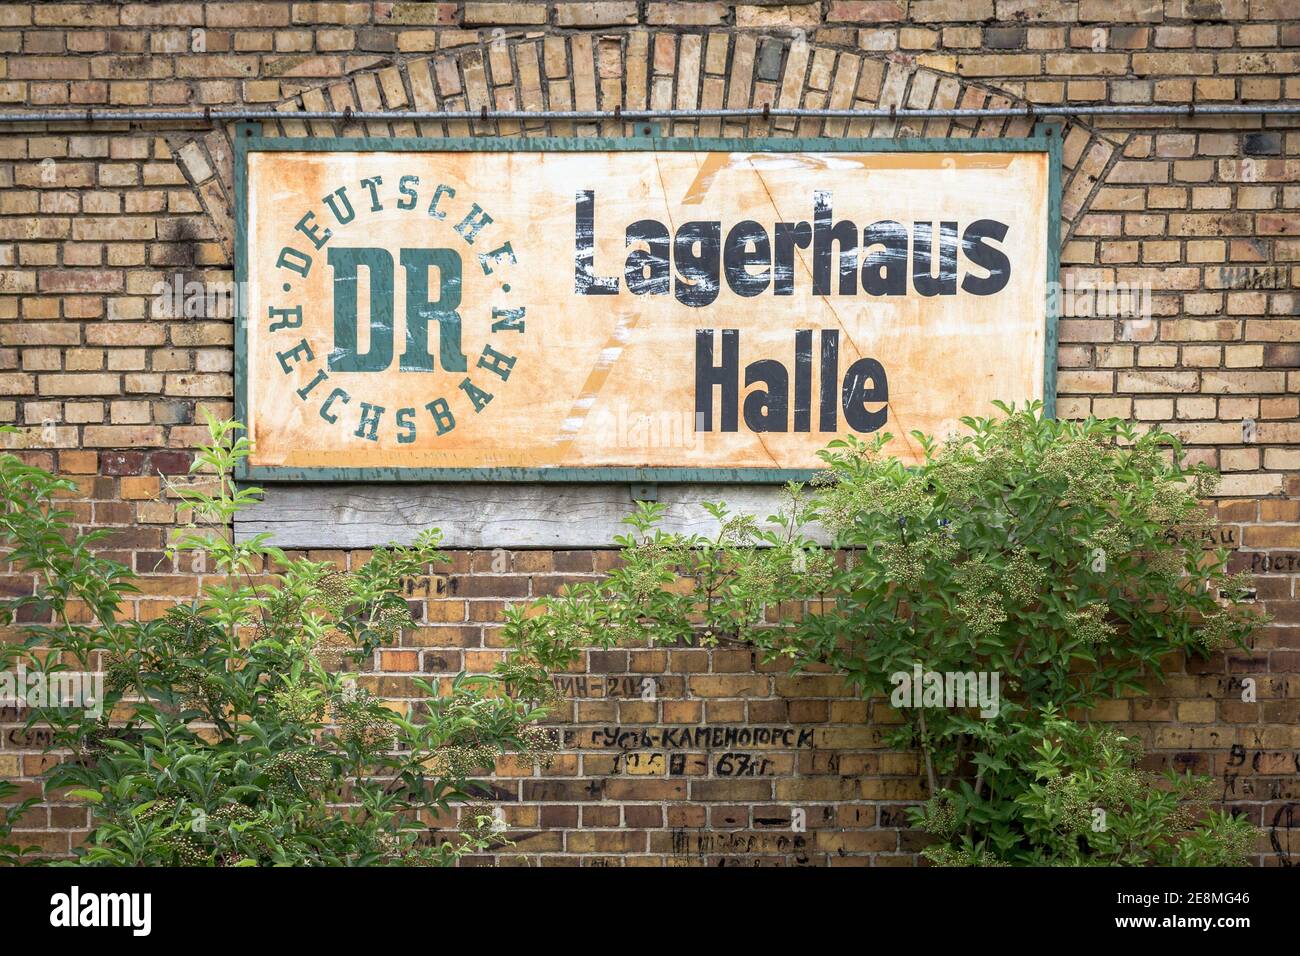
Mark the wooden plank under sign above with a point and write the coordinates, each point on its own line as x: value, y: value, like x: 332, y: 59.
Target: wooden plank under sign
x: 482, y: 515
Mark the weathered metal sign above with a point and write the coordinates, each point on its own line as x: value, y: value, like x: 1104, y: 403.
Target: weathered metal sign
x: 631, y: 310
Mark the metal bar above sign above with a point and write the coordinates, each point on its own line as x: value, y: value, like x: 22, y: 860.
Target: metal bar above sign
x: 228, y: 115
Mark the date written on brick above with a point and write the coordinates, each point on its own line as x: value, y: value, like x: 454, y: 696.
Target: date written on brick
x: 700, y: 738
x: 728, y: 764
x: 583, y: 685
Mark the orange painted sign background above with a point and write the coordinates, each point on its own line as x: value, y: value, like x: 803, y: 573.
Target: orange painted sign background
x: 679, y: 309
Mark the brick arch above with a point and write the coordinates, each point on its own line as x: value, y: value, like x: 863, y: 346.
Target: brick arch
x: 641, y: 70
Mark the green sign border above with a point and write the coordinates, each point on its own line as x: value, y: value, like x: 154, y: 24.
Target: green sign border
x: 249, y: 138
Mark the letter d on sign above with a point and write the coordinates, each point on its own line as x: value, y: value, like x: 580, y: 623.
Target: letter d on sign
x: 379, y: 266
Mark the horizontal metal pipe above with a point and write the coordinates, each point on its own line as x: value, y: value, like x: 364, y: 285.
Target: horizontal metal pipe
x: 218, y: 115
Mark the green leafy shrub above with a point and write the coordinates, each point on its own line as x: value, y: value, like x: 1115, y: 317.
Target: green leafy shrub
x: 1086, y: 803
x: 11, y: 853
x: 1064, y: 559
x: 232, y: 730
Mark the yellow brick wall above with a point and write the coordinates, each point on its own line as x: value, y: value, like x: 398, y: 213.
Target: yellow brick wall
x: 1204, y: 210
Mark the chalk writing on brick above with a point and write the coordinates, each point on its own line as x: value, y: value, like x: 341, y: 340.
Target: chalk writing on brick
x: 700, y: 738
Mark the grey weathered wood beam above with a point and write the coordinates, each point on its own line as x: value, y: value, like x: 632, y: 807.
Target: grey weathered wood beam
x: 481, y: 515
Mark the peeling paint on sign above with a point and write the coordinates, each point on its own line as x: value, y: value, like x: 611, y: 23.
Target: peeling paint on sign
x: 515, y: 313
